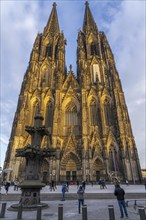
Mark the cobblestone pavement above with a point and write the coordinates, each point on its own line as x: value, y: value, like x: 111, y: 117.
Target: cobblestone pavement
x: 96, y: 209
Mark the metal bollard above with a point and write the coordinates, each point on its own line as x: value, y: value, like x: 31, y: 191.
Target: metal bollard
x: 60, y: 212
x: 3, y: 210
x: 39, y: 212
x: 19, y: 215
x: 84, y: 212
x: 142, y: 213
x: 111, y: 212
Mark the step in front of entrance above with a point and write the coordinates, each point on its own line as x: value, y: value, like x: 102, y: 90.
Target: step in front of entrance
x: 72, y: 196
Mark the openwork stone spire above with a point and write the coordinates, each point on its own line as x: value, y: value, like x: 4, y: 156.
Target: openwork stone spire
x: 88, y: 23
x: 52, y: 26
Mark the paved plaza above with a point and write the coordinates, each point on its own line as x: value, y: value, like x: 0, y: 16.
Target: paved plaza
x: 97, y: 209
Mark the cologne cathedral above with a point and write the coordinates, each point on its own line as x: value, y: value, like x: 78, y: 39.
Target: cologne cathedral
x: 85, y: 112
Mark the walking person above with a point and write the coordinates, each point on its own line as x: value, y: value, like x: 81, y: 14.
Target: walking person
x: 83, y: 185
x: 7, y: 185
x: 78, y: 184
x: 16, y: 185
x: 145, y: 183
x: 80, y: 194
x: 127, y: 183
x: 67, y: 185
x: 119, y: 193
x: 64, y: 190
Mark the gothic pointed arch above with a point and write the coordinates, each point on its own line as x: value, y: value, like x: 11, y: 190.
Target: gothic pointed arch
x: 107, y: 107
x: 71, y: 156
x: 35, y: 105
x: 94, y: 112
x: 112, y: 148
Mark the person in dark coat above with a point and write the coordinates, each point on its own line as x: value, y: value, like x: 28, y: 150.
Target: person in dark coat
x: 7, y: 185
x: 80, y: 194
x: 64, y: 190
x: 84, y: 185
x: 119, y: 193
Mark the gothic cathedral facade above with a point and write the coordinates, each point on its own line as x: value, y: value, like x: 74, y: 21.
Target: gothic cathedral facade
x: 85, y: 113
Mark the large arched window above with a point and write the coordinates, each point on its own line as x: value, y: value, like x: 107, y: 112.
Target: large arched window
x: 71, y: 115
x: 93, y: 113
x: 49, y: 115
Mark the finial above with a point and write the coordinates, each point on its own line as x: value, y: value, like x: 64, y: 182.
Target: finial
x: 54, y: 4
x: 70, y: 67
x: 87, y: 3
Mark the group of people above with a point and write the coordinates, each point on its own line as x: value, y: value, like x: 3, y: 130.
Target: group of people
x: 119, y: 193
x: 81, y: 186
x: 7, y: 185
x: 52, y: 185
x: 102, y: 184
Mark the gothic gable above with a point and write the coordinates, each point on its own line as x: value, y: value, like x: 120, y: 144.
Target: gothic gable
x: 111, y: 140
x: 70, y: 82
x: 96, y: 144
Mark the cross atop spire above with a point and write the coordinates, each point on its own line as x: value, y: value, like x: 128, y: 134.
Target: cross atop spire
x: 52, y: 26
x: 88, y: 23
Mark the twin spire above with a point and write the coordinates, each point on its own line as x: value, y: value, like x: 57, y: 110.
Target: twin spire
x: 53, y: 24
x: 88, y: 23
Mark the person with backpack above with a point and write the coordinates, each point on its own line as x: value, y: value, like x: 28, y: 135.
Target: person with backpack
x: 119, y: 193
x: 80, y: 194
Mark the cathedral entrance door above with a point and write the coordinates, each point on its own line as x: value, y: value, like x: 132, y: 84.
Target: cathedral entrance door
x: 71, y: 173
x: 71, y: 176
x: 98, y: 169
x: 97, y: 176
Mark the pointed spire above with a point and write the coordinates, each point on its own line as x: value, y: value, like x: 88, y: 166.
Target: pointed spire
x: 89, y: 23
x: 52, y: 26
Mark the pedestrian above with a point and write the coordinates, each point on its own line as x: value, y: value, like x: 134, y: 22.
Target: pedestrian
x: 55, y: 185
x: 67, y: 185
x: 7, y: 185
x: 64, y: 190
x: 119, y: 193
x: 127, y: 183
x: 100, y: 183
x: 78, y: 184
x: 84, y: 185
x: 145, y: 183
x: 91, y: 183
x: 80, y: 194
x: 16, y: 185
x: 52, y: 185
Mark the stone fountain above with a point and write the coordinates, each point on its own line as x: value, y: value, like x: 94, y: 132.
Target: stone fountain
x: 34, y: 155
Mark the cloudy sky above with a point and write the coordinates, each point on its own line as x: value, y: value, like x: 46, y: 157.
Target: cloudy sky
x: 124, y: 25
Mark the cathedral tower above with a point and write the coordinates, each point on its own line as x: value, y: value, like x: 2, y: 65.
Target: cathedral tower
x: 85, y: 113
